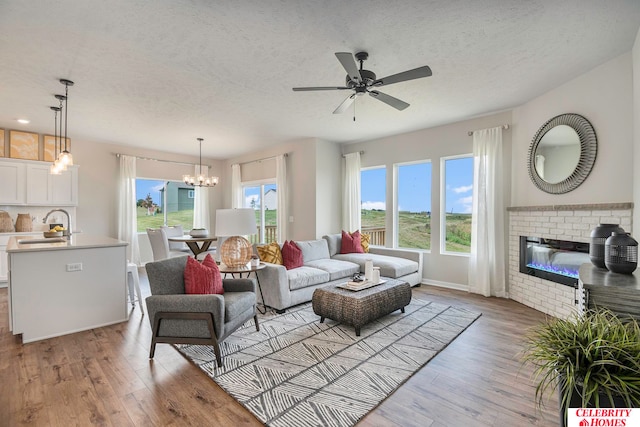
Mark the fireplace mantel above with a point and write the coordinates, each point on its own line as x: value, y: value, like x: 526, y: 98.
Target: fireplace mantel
x: 580, y: 207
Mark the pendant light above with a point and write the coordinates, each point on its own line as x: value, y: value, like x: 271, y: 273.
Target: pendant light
x: 201, y: 180
x: 56, y: 167
x: 65, y: 156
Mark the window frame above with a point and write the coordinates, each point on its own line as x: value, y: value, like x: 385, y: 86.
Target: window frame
x: 386, y: 211
x: 259, y: 183
x: 396, y: 212
x: 164, y: 200
x: 443, y: 205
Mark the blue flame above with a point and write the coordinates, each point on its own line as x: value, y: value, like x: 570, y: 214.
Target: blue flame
x: 557, y: 270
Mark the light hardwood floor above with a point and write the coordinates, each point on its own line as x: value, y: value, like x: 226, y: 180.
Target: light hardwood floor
x: 104, y: 377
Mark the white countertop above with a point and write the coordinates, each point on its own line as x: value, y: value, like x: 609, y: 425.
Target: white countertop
x: 77, y: 241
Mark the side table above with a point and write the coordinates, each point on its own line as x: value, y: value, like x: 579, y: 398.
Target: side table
x: 224, y: 269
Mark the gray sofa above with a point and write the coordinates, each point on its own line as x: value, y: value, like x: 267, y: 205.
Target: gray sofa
x: 325, y: 266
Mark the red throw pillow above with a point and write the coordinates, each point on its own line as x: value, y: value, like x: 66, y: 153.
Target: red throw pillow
x: 291, y: 255
x: 200, y: 278
x: 351, y: 243
x: 217, y: 277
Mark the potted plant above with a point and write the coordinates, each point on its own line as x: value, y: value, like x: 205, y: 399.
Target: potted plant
x: 593, y: 359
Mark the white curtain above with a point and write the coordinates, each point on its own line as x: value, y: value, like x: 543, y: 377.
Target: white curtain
x: 487, y: 264
x: 351, y: 203
x: 236, y: 187
x: 201, y: 204
x: 127, y: 215
x: 281, y: 191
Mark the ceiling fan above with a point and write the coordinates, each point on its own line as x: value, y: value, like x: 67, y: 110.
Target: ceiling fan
x: 362, y: 81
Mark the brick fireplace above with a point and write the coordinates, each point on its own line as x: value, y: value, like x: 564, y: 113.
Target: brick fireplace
x: 561, y: 222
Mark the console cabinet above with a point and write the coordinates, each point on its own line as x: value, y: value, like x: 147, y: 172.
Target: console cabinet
x: 30, y: 183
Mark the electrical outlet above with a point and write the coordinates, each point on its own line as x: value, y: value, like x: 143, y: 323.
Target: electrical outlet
x: 76, y: 266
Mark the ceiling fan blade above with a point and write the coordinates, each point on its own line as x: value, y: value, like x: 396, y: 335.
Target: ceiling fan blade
x: 299, y: 89
x: 416, y: 73
x: 345, y: 104
x: 388, y: 99
x: 349, y: 64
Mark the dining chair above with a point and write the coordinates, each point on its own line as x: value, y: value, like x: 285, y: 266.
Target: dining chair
x: 160, y: 245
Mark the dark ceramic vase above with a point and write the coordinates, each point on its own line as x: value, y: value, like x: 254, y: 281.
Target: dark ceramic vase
x: 621, y: 253
x: 599, y: 236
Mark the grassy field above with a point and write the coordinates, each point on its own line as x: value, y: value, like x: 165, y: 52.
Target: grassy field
x: 185, y: 218
x: 415, y: 229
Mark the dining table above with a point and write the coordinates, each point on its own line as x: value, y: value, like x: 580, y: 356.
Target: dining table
x: 197, y: 245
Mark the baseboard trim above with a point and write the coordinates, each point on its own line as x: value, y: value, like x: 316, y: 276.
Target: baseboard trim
x: 448, y: 285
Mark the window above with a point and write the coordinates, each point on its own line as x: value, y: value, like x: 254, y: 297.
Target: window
x: 413, y: 205
x: 163, y: 203
x: 264, y: 200
x: 373, y: 184
x: 191, y: 194
x: 457, y: 195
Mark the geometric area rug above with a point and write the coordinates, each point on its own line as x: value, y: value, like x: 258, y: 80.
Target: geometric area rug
x: 299, y: 372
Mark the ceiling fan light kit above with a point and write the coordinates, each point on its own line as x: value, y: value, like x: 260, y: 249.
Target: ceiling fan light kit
x: 362, y: 81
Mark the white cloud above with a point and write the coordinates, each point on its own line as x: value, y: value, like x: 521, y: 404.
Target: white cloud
x: 374, y: 205
x: 467, y: 204
x: 462, y: 189
x: 157, y: 187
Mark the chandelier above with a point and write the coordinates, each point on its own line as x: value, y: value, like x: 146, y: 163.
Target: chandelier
x: 63, y: 157
x: 200, y: 180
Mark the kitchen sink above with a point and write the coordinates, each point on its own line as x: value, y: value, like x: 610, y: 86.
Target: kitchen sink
x: 40, y: 241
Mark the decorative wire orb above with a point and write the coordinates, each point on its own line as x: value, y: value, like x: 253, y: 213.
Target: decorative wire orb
x: 236, y: 252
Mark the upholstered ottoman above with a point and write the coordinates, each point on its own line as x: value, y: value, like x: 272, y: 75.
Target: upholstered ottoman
x: 357, y: 308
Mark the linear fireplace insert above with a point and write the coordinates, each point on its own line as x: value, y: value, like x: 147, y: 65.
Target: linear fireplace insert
x: 555, y: 260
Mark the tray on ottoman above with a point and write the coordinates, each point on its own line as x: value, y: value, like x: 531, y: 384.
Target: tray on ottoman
x: 359, y: 308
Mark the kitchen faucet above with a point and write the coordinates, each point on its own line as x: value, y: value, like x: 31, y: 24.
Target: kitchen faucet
x: 68, y: 230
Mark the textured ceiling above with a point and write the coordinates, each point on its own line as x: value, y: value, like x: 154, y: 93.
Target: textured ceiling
x: 159, y: 74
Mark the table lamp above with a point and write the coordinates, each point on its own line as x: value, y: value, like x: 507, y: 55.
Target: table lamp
x: 235, y: 251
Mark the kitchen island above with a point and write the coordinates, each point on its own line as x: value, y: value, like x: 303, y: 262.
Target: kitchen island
x: 61, y: 286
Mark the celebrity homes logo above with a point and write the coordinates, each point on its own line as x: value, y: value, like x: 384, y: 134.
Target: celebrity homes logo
x: 603, y: 417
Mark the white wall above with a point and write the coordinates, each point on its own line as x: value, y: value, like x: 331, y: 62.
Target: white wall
x: 98, y: 181
x: 432, y: 144
x: 328, y: 188
x: 604, y: 97
x: 313, y: 171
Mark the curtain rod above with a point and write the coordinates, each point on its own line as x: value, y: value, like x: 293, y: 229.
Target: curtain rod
x: 162, y: 160
x: 361, y: 153
x: 470, y: 133
x: 262, y: 160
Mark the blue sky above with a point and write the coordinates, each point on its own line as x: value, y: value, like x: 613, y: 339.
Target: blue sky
x: 254, y: 193
x: 149, y: 186
x: 414, y: 194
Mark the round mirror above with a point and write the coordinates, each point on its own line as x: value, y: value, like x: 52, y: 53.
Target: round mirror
x: 562, y: 153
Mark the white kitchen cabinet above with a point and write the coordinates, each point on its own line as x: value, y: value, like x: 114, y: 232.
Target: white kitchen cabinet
x: 12, y: 177
x: 30, y: 183
x: 3, y: 261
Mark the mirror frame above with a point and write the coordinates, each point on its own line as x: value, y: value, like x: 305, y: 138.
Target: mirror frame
x: 588, y: 152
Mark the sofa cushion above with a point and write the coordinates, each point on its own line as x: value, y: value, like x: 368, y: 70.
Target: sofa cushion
x: 365, y: 239
x: 200, y: 278
x: 303, y: 277
x: 336, y: 268
x: 351, y: 243
x: 291, y: 255
x: 392, y: 267
x: 314, y: 249
x: 217, y: 277
x: 334, y: 241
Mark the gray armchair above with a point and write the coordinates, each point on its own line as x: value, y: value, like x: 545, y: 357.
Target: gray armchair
x: 179, y: 318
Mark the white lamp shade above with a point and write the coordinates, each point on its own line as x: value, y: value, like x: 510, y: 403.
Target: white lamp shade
x: 235, y: 222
